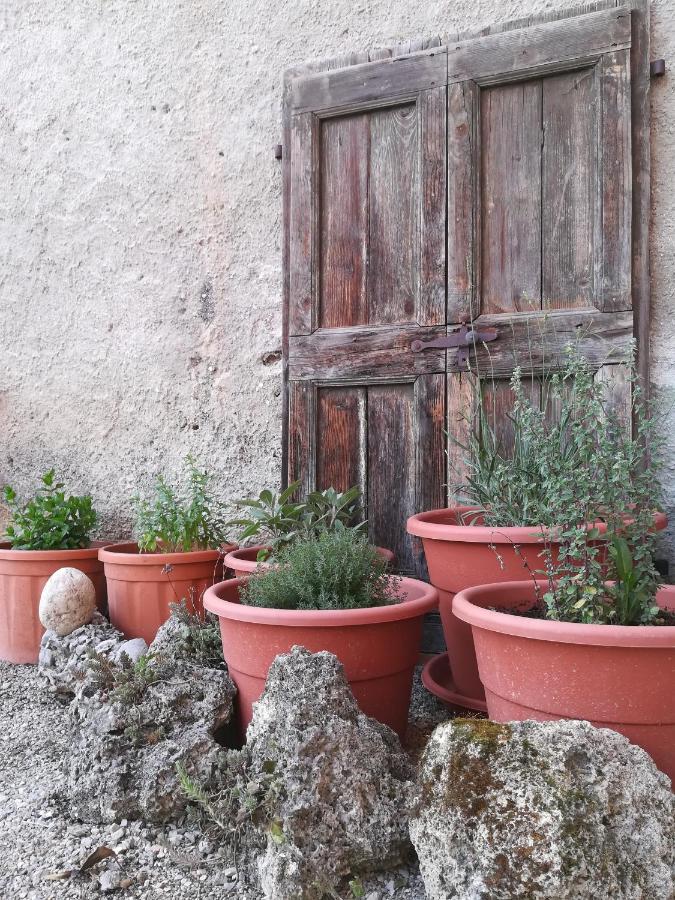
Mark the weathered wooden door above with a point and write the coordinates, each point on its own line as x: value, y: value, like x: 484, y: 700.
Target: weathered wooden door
x: 501, y: 180
x: 367, y: 277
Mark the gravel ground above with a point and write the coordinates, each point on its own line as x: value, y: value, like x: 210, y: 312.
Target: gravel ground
x: 42, y: 848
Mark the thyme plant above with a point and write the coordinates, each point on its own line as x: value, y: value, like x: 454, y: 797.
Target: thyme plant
x: 180, y: 519
x: 50, y: 520
x: 331, y: 570
x: 586, y: 484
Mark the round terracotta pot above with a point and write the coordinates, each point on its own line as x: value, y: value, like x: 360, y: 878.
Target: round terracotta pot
x: 142, y: 586
x: 244, y: 560
x: 23, y: 574
x: 460, y: 556
x: 615, y: 676
x: 378, y: 647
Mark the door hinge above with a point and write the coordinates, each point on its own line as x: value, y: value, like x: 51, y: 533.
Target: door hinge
x: 465, y: 337
x: 278, y: 151
x: 657, y: 67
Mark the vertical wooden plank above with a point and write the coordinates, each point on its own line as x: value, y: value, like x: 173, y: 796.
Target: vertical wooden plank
x: 301, y: 262
x: 391, y: 468
x: 343, y: 220
x: 432, y: 117
x: 430, y: 426
x: 617, y: 386
x: 463, y: 104
x: 570, y: 113
x: 342, y: 438
x: 615, y: 141
x: 302, y: 433
x: 394, y: 233
x: 498, y: 399
x: 641, y: 165
x: 461, y: 402
x: 511, y: 197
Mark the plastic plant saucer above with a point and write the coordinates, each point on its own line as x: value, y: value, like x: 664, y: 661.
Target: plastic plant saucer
x: 437, y: 679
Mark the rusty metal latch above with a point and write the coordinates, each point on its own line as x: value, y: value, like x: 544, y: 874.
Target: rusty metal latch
x: 467, y: 336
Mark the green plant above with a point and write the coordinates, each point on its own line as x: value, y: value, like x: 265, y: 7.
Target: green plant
x: 125, y: 681
x: 589, y: 486
x: 201, y: 641
x: 280, y: 521
x: 50, y: 520
x: 180, y: 519
x: 331, y: 570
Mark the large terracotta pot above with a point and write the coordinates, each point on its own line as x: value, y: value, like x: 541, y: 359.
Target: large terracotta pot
x: 244, y: 561
x: 615, y: 676
x: 461, y: 552
x: 23, y: 574
x: 378, y: 647
x: 142, y: 586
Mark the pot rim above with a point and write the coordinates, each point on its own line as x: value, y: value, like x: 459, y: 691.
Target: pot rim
x: 426, y: 599
x: 464, y: 607
x: 127, y: 554
x: 435, y: 525
x: 90, y: 552
x: 246, y: 555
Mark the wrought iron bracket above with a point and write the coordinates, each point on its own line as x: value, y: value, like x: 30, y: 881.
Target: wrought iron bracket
x: 464, y: 338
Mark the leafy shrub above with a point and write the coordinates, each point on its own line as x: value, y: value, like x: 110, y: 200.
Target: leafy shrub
x: 180, y: 519
x: 50, y: 520
x: 331, y: 570
x: 561, y: 477
x: 279, y: 521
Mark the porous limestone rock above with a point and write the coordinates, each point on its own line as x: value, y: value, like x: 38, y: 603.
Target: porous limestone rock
x: 65, y: 662
x: 133, y: 649
x: 129, y: 736
x: 543, y: 811
x: 67, y: 602
x: 338, y: 782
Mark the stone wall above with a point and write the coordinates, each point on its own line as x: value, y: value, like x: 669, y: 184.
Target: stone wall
x: 140, y: 227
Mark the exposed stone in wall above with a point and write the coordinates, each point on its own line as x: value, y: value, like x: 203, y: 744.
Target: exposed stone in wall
x: 546, y: 810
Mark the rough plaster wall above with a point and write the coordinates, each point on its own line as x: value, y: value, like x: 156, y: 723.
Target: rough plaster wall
x: 140, y: 226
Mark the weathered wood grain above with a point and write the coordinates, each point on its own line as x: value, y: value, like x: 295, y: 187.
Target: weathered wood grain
x: 369, y: 84
x: 343, y: 218
x: 615, y: 289
x: 393, y: 219
x: 432, y: 205
x: 392, y: 468
x: 539, y: 49
x: 570, y: 187
x: 364, y: 352
x: 510, y: 197
x: 341, y: 459
x: 302, y: 202
x: 302, y: 434
x: 461, y: 405
x: 430, y: 427
x: 641, y: 166
x: 537, y: 343
x: 463, y: 156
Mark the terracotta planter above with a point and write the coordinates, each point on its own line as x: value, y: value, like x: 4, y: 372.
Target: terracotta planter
x: 141, y: 586
x: 615, y: 676
x: 23, y: 574
x: 460, y: 556
x: 244, y: 560
x: 378, y: 647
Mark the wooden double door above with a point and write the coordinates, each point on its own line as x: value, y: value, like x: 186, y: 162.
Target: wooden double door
x: 498, y: 180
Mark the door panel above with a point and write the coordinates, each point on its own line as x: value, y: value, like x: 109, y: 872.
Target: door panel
x: 368, y: 232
